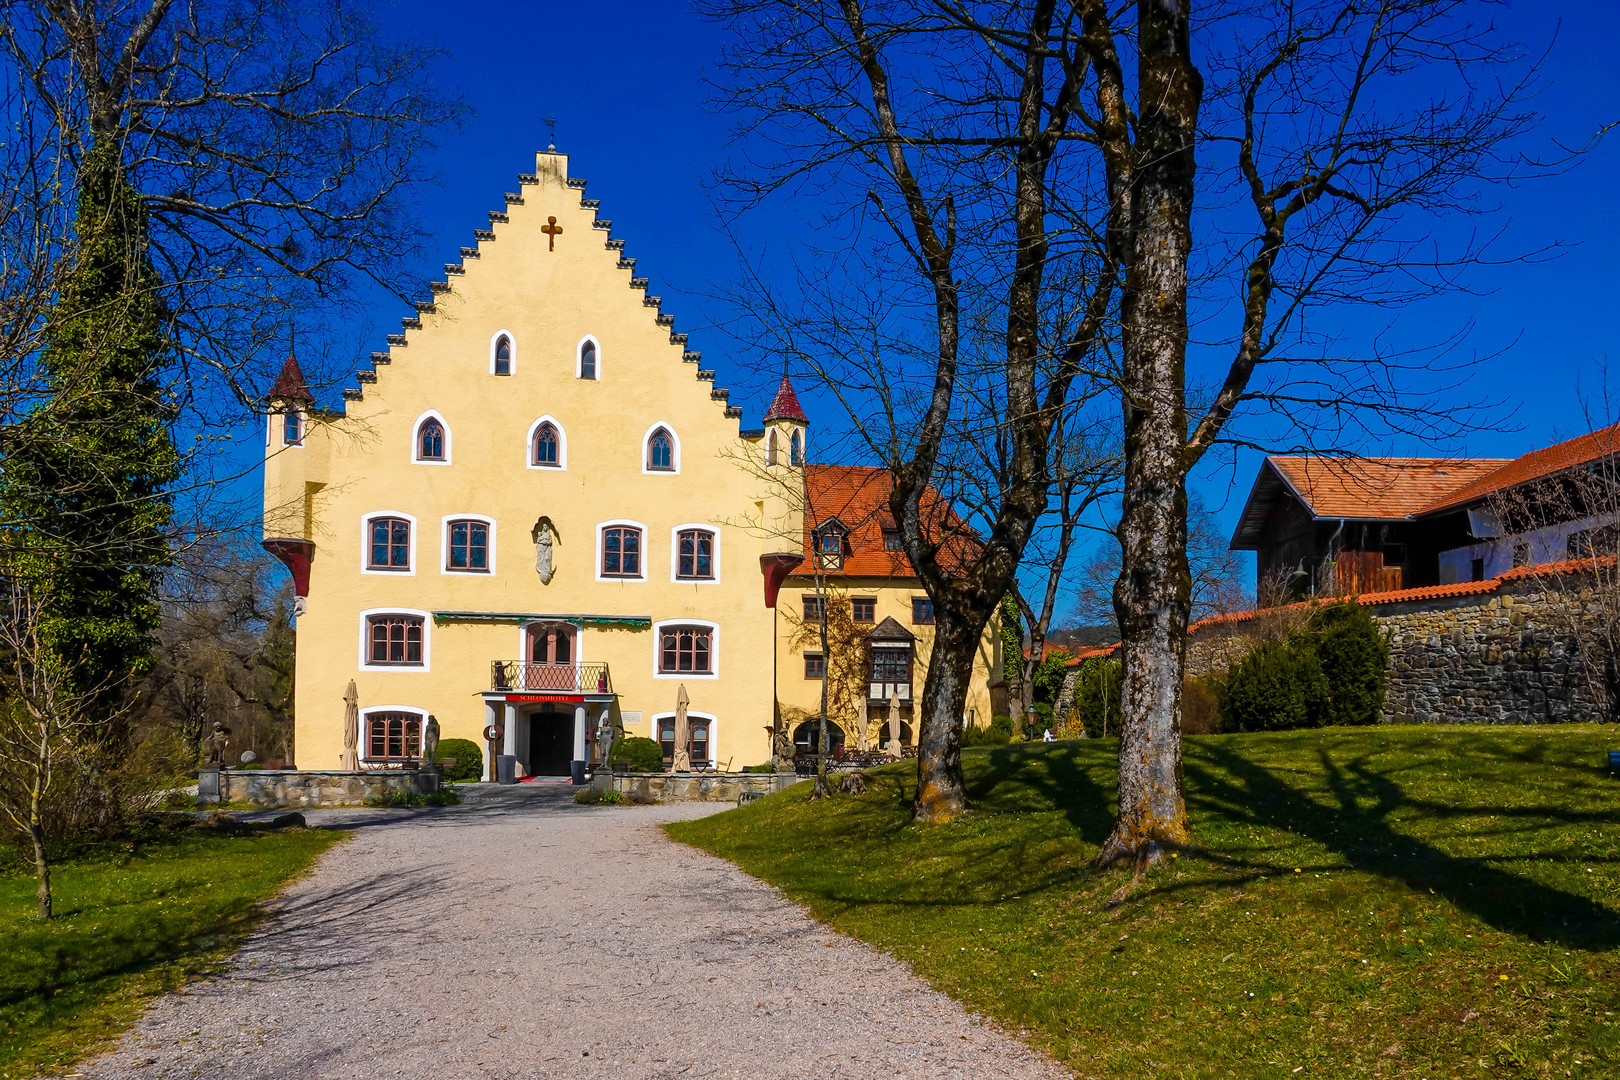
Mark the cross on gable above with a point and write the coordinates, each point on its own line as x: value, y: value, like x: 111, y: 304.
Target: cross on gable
x: 552, y: 231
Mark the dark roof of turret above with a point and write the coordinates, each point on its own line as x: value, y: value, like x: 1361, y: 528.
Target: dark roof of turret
x: 290, y: 383
x: 785, y: 405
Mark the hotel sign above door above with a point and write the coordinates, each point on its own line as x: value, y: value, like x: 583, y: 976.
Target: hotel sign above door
x: 543, y: 697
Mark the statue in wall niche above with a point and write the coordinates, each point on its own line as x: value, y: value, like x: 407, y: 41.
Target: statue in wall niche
x: 430, y: 739
x: 214, y: 746
x: 544, y: 537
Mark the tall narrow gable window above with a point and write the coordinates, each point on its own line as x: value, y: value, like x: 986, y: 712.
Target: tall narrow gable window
x: 292, y: 429
x: 587, y: 359
x: 694, y: 559
x: 503, y: 355
x: 770, y: 447
x: 661, y: 452
x: 796, y: 449
x: 545, y: 446
x: 388, y: 544
x: 430, y: 441
x: 621, y: 552
x: 469, y: 546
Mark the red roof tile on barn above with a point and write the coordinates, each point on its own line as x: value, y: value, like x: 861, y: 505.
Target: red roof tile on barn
x: 1377, y: 488
x: 290, y: 383
x: 1532, y: 466
x: 785, y: 405
x: 858, y: 497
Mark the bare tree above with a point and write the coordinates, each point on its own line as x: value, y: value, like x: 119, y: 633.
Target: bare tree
x: 987, y: 151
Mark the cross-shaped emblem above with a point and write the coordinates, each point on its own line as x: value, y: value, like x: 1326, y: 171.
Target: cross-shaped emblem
x: 552, y: 231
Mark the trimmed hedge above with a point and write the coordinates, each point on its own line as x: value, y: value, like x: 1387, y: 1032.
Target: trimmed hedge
x: 1330, y: 673
x: 469, y: 759
x: 639, y: 754
x: 1354, y: 657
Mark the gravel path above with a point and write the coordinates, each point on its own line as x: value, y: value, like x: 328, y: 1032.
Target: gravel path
x: 520, y: 935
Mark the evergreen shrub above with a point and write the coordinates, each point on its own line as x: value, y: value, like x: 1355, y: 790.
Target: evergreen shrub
x: 639, y: 754
x: 1353, y: 654
x: 1277, y: 687
x: 998, y: 733
x: 469, y: 759
x: 1096, y: 695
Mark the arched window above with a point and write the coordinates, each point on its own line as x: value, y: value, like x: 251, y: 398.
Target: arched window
x: 697, y: 744
x: 430, y: 440
x: 503, y: 355
x: 546, y: 446
x: 796, y: 449
x: 807, y: 737
x: 661, y: 452
x: 883, y: 734
x: 587, y: 359
x: 770, y: 447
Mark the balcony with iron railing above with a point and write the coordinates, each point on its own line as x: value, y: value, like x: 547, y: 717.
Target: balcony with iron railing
x: 520, y: 676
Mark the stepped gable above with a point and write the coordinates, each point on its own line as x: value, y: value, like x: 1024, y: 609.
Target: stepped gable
x: 458, y: 270
x: 857, y: 496
x: 290, y: 384
x: 785, y: 405
x: 1536, y: 465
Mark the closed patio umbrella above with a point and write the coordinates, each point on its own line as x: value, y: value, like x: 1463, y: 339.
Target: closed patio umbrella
x: 350, y: 761
x: 862, y: 738
x: 683, y: 734
x: 894, y: 726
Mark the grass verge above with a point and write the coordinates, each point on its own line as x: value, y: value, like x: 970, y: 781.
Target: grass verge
x: 1387, y: 902
x: 134, y: 919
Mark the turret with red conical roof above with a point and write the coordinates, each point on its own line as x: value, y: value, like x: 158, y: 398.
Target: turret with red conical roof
x: 290, y: 384
x: 785, y: 405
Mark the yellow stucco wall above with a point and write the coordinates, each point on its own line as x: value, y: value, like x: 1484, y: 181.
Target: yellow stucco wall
x: 359, y: 464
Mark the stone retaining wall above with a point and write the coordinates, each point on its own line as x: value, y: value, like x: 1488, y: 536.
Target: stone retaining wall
x: 298, y: 788
x: 702, y: 786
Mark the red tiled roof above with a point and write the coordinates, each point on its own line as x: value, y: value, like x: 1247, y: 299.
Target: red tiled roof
x: 1532, y: 466
x: 785, y: 405
x: 858, y: 496
x: 290, y: 383
x: 1377, y: 488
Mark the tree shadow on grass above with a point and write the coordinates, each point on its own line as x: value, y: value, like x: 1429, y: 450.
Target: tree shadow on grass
x: 1357, y: 827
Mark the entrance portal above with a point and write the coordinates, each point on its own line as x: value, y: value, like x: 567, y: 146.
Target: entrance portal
x: 551, y: 743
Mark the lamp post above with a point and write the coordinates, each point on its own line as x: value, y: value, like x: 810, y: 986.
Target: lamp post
x: 1030, y: 716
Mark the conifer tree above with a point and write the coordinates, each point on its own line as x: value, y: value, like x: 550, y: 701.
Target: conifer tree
x: 85, y: 471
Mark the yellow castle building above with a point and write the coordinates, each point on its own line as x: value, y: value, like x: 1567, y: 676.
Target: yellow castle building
x: 538, y: 517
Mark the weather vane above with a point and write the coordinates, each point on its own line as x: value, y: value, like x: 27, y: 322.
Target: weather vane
x: 551, y: 134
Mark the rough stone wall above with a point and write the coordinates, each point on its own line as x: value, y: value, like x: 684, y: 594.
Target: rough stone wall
x: 294, y: 788
x: 702, y: 787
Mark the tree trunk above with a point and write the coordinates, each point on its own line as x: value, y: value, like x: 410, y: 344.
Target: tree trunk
x: 940, y: 792
x: 1153, y: 594
x: 36, y: 833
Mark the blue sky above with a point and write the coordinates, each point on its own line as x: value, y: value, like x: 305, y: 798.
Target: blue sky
x: 624, y: 83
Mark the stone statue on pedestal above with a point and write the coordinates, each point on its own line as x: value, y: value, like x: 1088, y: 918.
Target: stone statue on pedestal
x: 214, y: 746
x: 430, y: 739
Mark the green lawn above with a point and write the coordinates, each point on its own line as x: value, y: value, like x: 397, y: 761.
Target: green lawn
x: 133, y: 919
x: 1389, y: 902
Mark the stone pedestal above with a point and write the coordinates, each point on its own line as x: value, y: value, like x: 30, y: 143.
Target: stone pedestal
x: 208, y: 786
x: 427, y: 780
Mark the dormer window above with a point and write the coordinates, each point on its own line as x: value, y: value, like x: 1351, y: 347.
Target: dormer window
x: 830, y: 542
x: 503, y: 355
x: 891, y: 540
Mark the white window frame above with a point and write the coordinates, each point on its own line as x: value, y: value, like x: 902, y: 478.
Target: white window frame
x: 675, y: 553
x: 692, y: 714
x: 365, y: 723
x: 278, y: 431
x: 674, y: 450
x: 770, y: 447
x: 579, y: 358
x: 621, y: 523
x: 714, y: 649
x: 444, y: 545
x: 427, y: 640
x: 494, y: 339
x: 365, y: 542
x: 416, y: 439
x: 562, y: 445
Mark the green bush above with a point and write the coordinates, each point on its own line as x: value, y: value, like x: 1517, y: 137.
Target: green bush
x: 1200, y: 708
x: 638, y: 754
x: 767, y: 767
x: 588, y: 796
x: 612, y: 797
x: 1353, y: 654
x: 1277, y: 687
x: 1096, y: 695
x: 999, y: 733
x: 469, y: 759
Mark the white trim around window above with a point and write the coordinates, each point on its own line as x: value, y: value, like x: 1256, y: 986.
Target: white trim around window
x: 364, y: 749
x: 692, y: 714
x: 674, y: 449
x: 675, y: 553
x: 579, y: 357
x: 523, y: 638
x: 427, y: 639
x: 714, y: 649
x: 511, y: 343
x: 621, y: 523
x: 562, y: 445
x: 444, y: 544
x: 365, y: 542
x: 416, y: 439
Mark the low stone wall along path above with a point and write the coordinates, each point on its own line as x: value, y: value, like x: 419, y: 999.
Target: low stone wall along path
x: 520, y: 935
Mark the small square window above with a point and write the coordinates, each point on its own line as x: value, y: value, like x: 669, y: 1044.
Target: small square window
x: 815, y: 666
x: 390, y: 544
x: 864, y: 608
x: 922, y: 610
x: 812, y: 608
x: 469, y: 546
x: 891, y: 540
x: 621, y: 553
